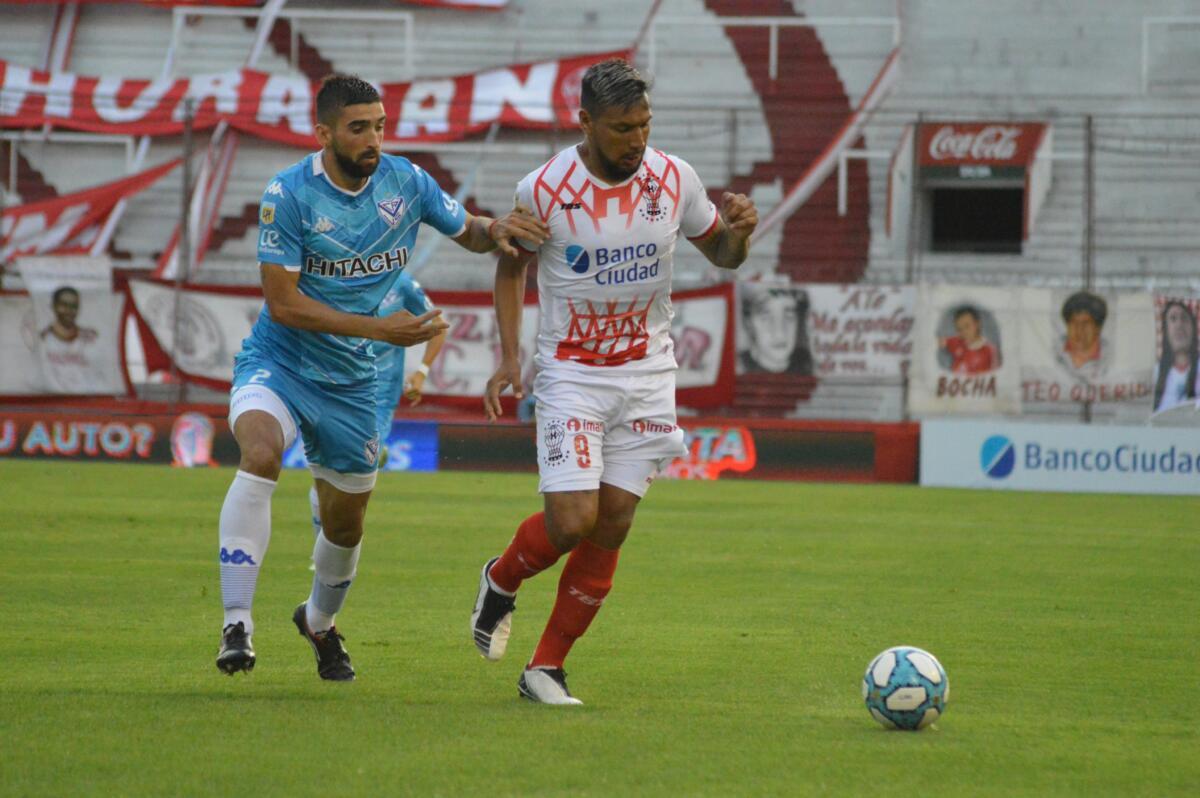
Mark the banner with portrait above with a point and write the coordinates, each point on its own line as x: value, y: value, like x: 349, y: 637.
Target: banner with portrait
x: 1175, y: 381
x: 74, y: 336
x: 967, y: 356
x: 1083, y: 346
x: 213, y: 320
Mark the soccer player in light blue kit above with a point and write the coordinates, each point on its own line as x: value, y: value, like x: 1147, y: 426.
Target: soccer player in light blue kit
x: 406, y: 295
x: 335, y: 231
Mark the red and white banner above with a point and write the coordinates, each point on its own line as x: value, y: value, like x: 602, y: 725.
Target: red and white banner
x: 214, y: 320
x: 979, y: 143
x: 539, y: 95
x: 67, y: 224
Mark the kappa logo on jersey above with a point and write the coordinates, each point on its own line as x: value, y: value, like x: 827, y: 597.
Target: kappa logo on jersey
x: 275, y: 189
x: 358, y: 266
x: 578, y: 259
x: 323, y: 225
x: 266, y: 213
x: 391, y: 210
x: 554, y: 436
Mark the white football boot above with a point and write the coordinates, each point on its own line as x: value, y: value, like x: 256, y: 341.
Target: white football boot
x: 491, y: 619
x: 546, y: 686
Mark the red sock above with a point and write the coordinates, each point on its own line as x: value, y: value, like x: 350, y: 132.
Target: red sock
x: 530, y: 553
x: 586, y: 579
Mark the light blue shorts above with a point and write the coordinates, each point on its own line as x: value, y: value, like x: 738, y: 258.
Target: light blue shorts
x: 336, y: 422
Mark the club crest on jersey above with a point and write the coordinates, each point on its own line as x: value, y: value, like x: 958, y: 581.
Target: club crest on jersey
x: 652, y: 211
x: 371, y: 450
x: 390, y: 210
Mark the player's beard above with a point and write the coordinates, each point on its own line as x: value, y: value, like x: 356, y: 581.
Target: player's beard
x: 615, y: 171
x: 358, y: 170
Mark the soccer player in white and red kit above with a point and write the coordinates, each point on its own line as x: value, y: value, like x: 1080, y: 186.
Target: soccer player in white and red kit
x: 605, y: 386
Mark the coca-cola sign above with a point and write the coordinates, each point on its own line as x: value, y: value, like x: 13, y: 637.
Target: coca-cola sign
x: 991, y: 143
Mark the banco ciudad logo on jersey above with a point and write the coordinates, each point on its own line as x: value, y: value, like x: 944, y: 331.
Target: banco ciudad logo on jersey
x: 577, y: 259
x: 997, y: 457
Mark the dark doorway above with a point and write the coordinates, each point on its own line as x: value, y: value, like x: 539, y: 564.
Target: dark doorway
x: 977, y: 219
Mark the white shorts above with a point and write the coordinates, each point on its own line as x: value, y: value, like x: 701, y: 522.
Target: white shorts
x: 620, y: 431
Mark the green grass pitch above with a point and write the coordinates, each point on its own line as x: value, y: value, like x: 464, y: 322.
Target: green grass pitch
x: 727, y: 659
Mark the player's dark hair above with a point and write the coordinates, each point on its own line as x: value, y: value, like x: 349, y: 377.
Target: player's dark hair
x: 1167, y: 361
x: 338, y: 91
x: 611, y: 84
x: 966, y: 310
x: 60, y: 292
x: 1088, y: 303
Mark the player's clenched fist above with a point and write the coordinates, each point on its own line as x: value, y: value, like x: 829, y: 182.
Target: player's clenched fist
x: 404, y: 329
x: 519, y: 223
x: 739, y: 214
x: 508, y: 374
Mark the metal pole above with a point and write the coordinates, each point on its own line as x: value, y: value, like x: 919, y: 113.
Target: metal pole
x: 1089, y: 198
x: 912, y: 267
x: 1089, y: 223
x: 731, y: 155
x: 184, y: 250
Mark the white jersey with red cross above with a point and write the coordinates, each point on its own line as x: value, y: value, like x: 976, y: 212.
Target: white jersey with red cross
x: 604, y: 274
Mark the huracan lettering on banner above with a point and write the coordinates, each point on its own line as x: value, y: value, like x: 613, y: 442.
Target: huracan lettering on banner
x: 375, y: 263
x: 278, y: 107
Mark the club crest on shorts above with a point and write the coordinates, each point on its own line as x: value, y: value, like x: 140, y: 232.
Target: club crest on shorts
x: 371, y: 450
x: 554, y: 435
x: 390, y: 210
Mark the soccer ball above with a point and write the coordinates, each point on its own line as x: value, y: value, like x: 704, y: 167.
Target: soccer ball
x: 906, y: 688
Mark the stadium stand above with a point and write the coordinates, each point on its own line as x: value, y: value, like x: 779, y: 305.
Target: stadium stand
x: 717, y: 105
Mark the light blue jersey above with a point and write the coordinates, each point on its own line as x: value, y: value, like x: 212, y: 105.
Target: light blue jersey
x: 406, y: 294
x: 349, y: 247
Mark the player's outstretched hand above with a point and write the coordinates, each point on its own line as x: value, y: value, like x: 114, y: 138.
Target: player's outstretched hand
x: 519, y: 223
x: 405, y: 329
x: 739, y: 214
x: 508, y: 374
x: 413, y: 387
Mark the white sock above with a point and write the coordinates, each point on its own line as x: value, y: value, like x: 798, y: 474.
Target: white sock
x: 336, y: 567
x: 314, y: 504
x: 245, y: 531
